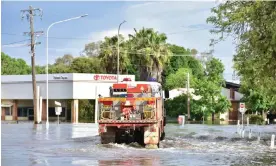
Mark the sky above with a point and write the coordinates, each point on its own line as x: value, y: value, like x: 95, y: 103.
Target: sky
x: 184, y: 22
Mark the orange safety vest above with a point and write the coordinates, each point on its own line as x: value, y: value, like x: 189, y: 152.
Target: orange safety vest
x: 126, y: 110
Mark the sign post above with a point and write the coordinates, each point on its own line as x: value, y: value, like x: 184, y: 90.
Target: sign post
x: 58, y: 109
x: 242, y: 110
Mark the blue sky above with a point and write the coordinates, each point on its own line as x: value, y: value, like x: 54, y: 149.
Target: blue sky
x: 184, y: 22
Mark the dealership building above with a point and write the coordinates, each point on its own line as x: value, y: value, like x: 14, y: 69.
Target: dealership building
x: 67, y: 89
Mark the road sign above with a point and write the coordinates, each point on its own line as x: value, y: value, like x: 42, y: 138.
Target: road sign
x: 58, y: 110
x: 242, y: 108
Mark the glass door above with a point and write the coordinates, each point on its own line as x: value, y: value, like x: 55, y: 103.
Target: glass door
x: 30, y: 113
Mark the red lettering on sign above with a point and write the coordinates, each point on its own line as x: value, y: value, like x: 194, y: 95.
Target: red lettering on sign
x: 104, y: 77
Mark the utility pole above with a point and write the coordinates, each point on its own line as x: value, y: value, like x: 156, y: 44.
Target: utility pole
x: 188, y: 96
x: 30, y: 13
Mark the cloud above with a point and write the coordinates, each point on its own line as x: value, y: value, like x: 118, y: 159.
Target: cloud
x: 76, y: 47
x: 100, y: 35
x: 143, y: 5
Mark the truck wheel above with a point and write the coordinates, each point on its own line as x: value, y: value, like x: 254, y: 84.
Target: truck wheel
x: 162, y: 136
x: 139, y: 137
x: 109, y: 136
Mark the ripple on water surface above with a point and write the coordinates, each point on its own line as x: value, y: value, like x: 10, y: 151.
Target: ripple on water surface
x: 66, y: 144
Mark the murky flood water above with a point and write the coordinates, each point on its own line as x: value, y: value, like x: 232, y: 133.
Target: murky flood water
x: 67, y: 144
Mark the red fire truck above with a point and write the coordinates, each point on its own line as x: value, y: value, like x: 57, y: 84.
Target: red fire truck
x: 134, y: 112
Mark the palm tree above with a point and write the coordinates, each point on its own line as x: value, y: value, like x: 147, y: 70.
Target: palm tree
x: 149, y: 48
x: 108, y: 54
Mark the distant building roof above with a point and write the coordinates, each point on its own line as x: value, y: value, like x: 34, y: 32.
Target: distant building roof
x: 230, y: 84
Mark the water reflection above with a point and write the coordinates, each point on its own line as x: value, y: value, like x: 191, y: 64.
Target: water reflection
x: 84, y: 130
x: 131, y: 162
x: 84, y: 162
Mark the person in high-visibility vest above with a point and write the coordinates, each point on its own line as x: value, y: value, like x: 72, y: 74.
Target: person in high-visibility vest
x: 128, y: 108
x: 127, y: 111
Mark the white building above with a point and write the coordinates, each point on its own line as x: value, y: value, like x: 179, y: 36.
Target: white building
x: 17, y: 93
x: 177, y: 92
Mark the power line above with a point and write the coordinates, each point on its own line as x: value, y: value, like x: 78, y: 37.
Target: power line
x: 15, y: 45
x: 78, y: 38
x: 16, y: 42
x: 174, y: 33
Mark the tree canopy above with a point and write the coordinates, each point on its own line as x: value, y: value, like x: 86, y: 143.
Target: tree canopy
x: 252, y: 24
x: 13, y: 66
x: 148, y: 49
x: 208, y: 86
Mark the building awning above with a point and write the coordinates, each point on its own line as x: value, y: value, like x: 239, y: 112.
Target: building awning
x: 6, y: 105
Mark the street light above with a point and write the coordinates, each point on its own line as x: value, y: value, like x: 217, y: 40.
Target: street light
x: 118, y: 51
x: 47, y: 104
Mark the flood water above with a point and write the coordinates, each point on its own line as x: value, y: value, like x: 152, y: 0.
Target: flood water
x: 196, y: 145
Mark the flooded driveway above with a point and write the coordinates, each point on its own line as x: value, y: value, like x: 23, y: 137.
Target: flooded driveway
x: 67, y: 144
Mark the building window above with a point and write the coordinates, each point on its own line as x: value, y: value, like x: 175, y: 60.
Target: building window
x: 8, y: 111
x: 22, y: 112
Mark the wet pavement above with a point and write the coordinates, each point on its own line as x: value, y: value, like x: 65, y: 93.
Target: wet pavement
x: 196, y: 145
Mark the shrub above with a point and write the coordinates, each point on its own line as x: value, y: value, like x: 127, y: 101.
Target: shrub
x: 256, y: 119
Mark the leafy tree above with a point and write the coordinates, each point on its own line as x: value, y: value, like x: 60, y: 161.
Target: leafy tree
x: 252, y: 23
x: 87, y: 109
x: 86, y: 65
x: 182, y: 59
x: 40, y: 69
x: 108, y: 54
x: 67, y: 59
x: 255, y: 101
x: 13, y: 66
x: 209, y: 88
x: 60, y: 68
x: 214, y: 72
x: 176, y: 106
x: 179, y: 79
x: 149, y: 50
x: 62, y: 64
x: 92, y: 49
x: 194, y: 51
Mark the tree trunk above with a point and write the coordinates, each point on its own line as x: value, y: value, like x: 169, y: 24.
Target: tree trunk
x: 156, y: 73
x: 143, y: 74
x: 213, y: 117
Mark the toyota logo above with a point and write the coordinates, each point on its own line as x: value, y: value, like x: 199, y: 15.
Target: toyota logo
x: 96, y: 77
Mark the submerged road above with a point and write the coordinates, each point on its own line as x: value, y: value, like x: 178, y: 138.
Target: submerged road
x: 196, y: 145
